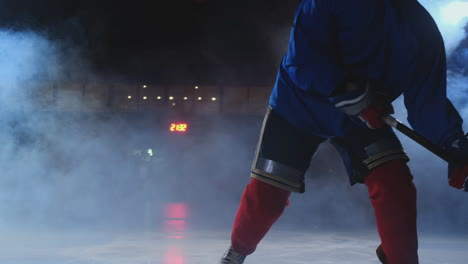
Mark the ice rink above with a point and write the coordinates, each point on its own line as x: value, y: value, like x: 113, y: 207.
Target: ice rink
x: 193, y: 247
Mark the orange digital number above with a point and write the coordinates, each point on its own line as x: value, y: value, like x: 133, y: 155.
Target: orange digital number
x: 178, y: 127
x: 181, y: 127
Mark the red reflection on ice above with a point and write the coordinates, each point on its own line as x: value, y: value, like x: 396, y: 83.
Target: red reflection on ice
x: 175, y: 228
x: 176, y: 210
x: 174, y: 255
x: 175, y: 224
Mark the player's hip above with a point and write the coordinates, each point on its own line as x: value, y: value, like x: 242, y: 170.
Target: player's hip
x: 284, y: 152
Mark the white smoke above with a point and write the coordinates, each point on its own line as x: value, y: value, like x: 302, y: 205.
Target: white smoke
x: 451, y: 18
x: 48, y: 159
x: 24, y: 58
x: 62, y: 167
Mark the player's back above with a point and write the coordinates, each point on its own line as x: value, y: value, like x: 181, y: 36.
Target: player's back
x: 335, y: 41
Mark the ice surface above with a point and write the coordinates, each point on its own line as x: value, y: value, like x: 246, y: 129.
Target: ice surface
x: 193, y: 247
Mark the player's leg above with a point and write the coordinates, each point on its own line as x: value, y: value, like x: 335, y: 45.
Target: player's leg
x: 393, y: 197
x: 376, y: 158
x: 261, y: 205
x: 282, y: 158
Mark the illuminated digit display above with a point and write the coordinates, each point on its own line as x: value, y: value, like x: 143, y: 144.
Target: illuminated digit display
x: 178, y: 127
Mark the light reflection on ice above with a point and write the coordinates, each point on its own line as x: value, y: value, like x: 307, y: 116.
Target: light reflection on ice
x: 174, y: 255
x: 174, y: 228
x: 175, y: 222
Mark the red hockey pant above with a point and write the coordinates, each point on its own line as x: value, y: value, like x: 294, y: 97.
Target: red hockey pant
x: 392, y: 194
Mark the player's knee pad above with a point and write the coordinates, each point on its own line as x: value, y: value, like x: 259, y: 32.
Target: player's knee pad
x: 283, y: 153
x: 365, y: 150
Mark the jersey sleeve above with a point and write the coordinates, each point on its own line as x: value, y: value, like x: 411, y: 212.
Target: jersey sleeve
x: 430, y: 112
x: 327, y: 37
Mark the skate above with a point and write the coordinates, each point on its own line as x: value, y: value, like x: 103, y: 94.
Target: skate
x: 381, y: 254
x: 232, y: 257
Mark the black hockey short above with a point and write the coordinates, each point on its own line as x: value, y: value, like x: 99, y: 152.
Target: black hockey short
x: 284, y: 152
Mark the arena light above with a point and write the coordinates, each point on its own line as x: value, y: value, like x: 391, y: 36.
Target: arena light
x: 144, y: 86
x: 185, y: 98
x: 455, y: 12
x: 171, y: 98
x: 145, y: 97
x: 178, y: 127
x: 173, y: 104
x: 199, y: 98
x: 150, y: 152
x: 159, y: 97
x: 196, y: 87
x: 213, y: 99
x: 129, y: 97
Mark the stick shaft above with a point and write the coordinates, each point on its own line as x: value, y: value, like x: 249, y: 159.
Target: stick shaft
x: 395, y: 123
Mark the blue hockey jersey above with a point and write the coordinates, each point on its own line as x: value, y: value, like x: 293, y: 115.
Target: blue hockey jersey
x: 394, y: 42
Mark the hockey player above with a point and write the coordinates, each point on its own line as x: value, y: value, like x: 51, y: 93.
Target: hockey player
x: 347, y: 61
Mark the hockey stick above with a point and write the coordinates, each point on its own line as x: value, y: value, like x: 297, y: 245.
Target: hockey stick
x: 395, y: 123
x: 441, y: 153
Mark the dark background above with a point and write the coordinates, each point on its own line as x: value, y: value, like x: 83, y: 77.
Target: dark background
x: 176, y: 41
x: 167, y: 41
